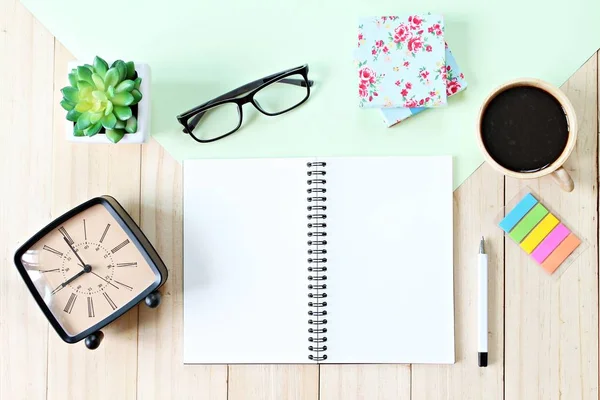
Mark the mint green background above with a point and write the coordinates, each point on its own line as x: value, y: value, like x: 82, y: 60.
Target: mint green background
x: 199, y: 49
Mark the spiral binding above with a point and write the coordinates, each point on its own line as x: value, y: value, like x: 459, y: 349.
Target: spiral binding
x: 317, y: 259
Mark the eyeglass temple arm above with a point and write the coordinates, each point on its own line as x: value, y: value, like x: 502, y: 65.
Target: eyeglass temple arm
x: 245, y: 89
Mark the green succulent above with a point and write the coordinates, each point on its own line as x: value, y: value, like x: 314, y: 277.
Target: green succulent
x: 102, y: 97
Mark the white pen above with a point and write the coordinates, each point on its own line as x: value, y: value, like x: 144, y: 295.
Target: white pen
x: 482, y: 306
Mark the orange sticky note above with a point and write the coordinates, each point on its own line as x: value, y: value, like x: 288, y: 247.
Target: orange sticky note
x: 561, y: 253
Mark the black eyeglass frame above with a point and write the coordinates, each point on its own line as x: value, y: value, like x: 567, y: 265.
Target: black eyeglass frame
x: 190, y: 118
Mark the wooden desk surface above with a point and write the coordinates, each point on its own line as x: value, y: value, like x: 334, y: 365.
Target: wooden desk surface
x: 543, y: 332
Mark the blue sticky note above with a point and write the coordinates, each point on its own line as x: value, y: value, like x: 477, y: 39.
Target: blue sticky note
x: 455, y: 83
x: 401, y: 61
x: 517, y: 213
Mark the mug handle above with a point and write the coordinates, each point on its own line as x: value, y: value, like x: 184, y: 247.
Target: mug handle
x: 561, y: 178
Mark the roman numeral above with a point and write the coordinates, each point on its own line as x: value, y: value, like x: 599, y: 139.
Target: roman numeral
x: 119, y: 247
x: 70, y: 303
x: 130, y: 264
x: 84, y: 230
x: 91, y: 313
x: 104, y: 234
x: 110, y: 302
x: 122, y: 284
x: 65, y: 235
x: 51, y: 250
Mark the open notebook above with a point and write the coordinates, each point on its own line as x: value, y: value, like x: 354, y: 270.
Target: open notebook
x: 330, y: 260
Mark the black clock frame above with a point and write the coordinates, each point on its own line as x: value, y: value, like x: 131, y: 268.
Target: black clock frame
x: 93, y: 335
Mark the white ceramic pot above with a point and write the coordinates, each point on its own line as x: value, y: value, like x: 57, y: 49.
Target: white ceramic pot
x: 143, y: 118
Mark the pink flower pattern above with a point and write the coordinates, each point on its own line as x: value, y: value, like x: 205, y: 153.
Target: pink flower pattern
x: 401, y: 34
x: 361, y: 36
x: 453, y: 84
x: 411, y: 34
x: 393, y: 116
x: 378, y: 48
x: 392, y: 18
x: 400, y: 47
x: 368, y: 83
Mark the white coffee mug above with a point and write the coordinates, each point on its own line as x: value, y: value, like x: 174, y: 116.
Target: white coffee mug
x: 558, y: 173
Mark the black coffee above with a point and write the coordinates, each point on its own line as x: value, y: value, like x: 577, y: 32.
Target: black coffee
x: 524, y: 129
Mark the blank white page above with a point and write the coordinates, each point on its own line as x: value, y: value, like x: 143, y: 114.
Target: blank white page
x: 245, y: 295
x: 390, y: 260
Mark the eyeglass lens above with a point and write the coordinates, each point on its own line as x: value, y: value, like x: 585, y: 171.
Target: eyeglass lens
x: 275, y: 98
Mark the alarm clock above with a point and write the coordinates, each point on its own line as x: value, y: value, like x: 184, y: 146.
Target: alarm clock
x: 88, y: 267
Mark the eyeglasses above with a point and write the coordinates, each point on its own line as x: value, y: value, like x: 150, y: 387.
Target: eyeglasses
x: 272, y: 95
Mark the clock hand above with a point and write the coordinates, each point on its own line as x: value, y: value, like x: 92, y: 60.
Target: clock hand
x: 76, y: 255
x: 77, y: 275
x: 104, y: 279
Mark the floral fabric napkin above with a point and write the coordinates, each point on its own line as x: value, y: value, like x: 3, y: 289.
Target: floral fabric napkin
x: 400, y: 61
x: 455, y: 83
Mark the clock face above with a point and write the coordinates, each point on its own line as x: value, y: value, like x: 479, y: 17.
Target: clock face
x: 87, y: 269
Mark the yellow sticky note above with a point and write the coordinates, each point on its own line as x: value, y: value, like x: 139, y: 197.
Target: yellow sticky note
x: 539, y: 233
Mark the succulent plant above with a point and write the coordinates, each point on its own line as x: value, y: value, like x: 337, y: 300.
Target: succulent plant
x: 102, y: 97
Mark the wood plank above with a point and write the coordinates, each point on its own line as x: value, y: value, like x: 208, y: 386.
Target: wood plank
x: 80, y: 172
x: 26, y: 71
x: 161, y: 373
x: 367, y: 381
x: 551, y: 325
x: 476, y: 203
x: 265, y: 382
x: 551, y: 321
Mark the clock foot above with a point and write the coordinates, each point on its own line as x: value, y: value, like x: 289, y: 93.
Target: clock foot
x: 153, y: 299
x: 93, y: 341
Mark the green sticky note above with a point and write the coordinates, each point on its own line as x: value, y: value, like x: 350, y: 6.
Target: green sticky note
x: 529, y: 222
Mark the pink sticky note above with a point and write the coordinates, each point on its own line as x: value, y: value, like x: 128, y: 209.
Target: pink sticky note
x: 550, y: 243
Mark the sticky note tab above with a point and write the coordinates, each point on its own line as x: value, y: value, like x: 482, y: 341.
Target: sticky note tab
x: 528, y: 222
x: 539, y: 233
x: 517, y: 213
x: 551, y: 242
x: 560, y: 254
